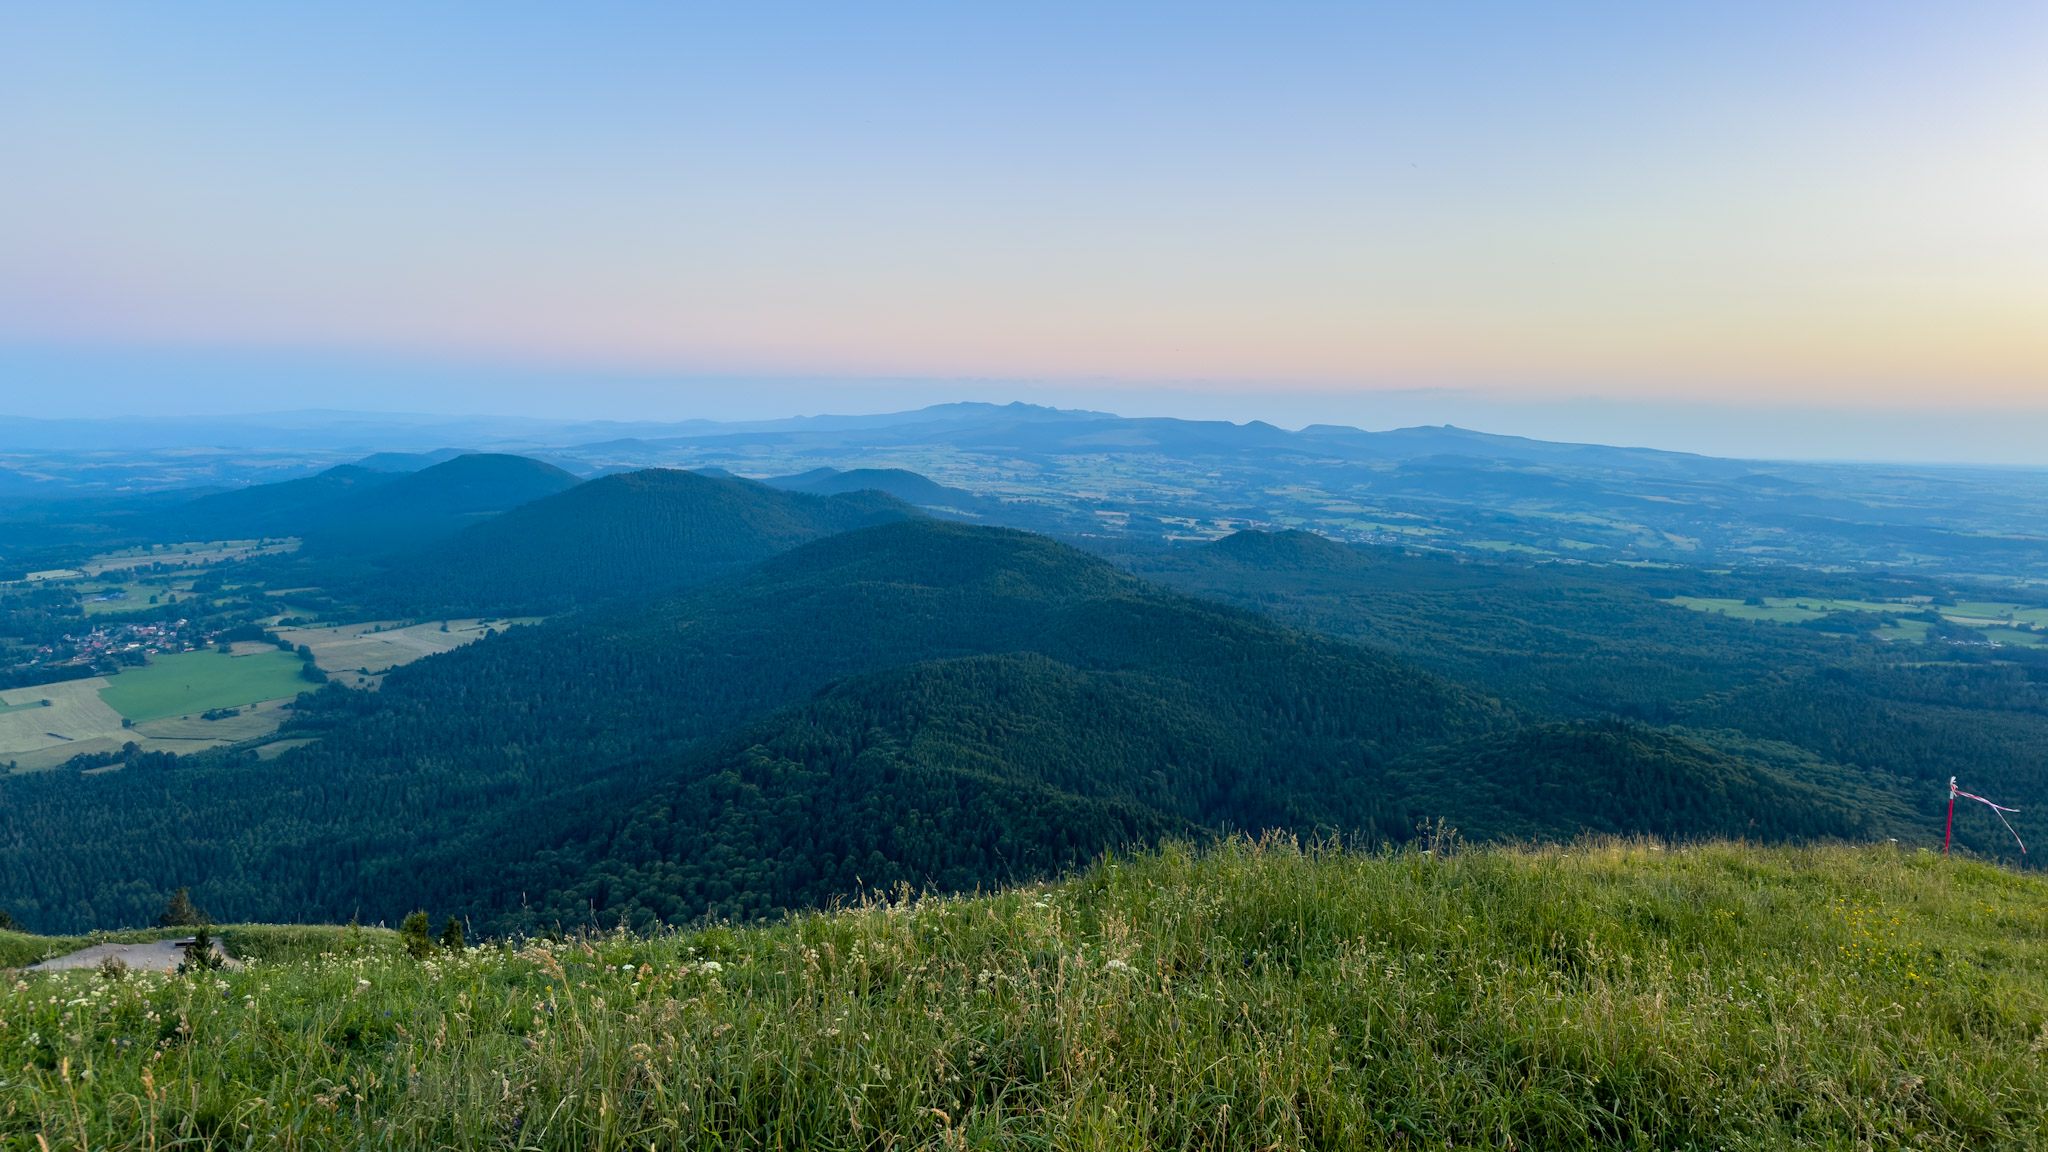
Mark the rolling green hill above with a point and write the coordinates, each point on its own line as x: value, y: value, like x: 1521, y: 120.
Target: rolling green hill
x: 1554, y: 781
x: 905, y: 485
x: 632, y: 533
x: 488, y: 777
x: 1587, y: 642
x: 287, y: 508
x: 356, y: 511
x: 917, y: 702
x: 417, y: 507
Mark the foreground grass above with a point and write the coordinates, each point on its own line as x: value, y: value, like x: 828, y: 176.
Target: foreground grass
x: 1255, y: 996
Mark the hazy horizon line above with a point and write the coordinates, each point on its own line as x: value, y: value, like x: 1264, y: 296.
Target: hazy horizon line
x: 538, y: 425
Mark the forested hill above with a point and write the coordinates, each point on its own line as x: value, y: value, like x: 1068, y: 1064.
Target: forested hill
x: 901, y: 483
x: 636, y: 532
x: 451, y: 785
x: 1553, y: 781
x: 350, y: 510
x: 1583, y: 642
x: 287, y: 508
x: 918, y: 701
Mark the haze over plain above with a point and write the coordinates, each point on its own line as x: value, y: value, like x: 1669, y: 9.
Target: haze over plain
x: 1731, y: 228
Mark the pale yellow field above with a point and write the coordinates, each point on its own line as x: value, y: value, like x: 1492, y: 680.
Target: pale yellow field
x: 1996, y: 619
x: 76, y: 716
x: 200, y: 552
x: 195, y: 552
x: 78, y: 721
x: 383, y: 645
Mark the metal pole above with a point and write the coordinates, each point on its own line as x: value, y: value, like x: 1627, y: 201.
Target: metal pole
x: 1948, y: 831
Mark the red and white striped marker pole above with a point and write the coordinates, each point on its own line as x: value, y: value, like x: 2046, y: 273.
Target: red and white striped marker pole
x: 1997, y: 809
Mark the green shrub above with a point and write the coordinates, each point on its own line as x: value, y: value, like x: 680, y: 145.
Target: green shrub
x: 413, y: 934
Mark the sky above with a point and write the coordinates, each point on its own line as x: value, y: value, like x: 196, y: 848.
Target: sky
x: 1820, y: 226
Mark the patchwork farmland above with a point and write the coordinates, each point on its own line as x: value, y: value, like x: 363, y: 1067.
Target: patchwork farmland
x: 358, y: 655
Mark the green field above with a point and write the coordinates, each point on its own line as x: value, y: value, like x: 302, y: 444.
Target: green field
x: 135, y: 599
x: 1968, y: 611
x: 1249, y: 997
x: 1786, y: 610
x: 193, y: 682
x: 1995, y: 619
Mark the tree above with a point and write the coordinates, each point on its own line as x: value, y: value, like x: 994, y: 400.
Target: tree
x: 181, y: 912
x: 451, y: 935
x: 414, y: 934
x: 199, y: 954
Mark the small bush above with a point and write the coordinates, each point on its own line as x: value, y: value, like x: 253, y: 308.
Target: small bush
x: 413, y: 933
x: 199, y: 954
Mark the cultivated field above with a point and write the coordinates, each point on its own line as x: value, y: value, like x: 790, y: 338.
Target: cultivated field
x: 79, y: 720
x: 344, y: 652
x: 76, y: 720
x: 1785, y: 610
x: 1989, y: 612
x: 189, y: 683
x: 2000, y: 622
x: 193, y: 552
x: 163, y: 701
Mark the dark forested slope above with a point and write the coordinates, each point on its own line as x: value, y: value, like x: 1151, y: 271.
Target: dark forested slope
x: 901, y: 483
x: 449, y: 785
x: 930, y: 703
x: 433, y: 502
x: 1587, y: 642
x: 351, y: 510
x: 1555, y: 781
x: 287, y: 508
x: 632, y: 533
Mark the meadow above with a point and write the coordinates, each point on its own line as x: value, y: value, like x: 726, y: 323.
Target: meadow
x: 188, y: 683
x: 2000, y: 623
x: 380, y: 645
x: 1788, y: 610
x: 1250, y: 995
x: 194, y: 552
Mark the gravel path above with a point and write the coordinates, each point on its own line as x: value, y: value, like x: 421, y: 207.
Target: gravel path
x: 155, y: 956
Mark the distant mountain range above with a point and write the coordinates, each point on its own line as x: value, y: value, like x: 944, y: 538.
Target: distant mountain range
x: 1112, y: 482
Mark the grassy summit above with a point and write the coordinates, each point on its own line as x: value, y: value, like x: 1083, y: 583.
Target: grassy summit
x: 1253, y: 996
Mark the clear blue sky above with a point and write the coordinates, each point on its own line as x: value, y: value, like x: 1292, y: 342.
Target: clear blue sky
x: 1829, y: 205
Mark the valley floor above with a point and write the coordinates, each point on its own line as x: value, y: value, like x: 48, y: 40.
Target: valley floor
x: 1250, y: 996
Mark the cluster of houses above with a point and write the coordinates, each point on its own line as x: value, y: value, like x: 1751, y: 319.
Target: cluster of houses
x: 116, y: 641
